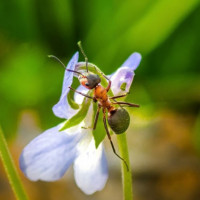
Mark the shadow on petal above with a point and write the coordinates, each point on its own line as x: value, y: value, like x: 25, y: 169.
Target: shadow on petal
x: 62, y: 109
x: 48, y: 156
x: 90, y: 169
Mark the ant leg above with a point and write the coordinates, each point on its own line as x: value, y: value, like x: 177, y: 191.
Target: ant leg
x: 128, y: 104
x: 85, y: 95
x: 116, y: 103
x: 96, y: 117
x: 115, y: 97
x: 109, y: 137
x: 109, y: 82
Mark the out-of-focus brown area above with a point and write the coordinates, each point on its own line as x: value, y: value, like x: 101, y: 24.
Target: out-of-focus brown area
x: 168, y: 165
x: 164, y: 162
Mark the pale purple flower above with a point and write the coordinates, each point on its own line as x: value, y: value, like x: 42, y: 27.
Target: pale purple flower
x: 49, y: 155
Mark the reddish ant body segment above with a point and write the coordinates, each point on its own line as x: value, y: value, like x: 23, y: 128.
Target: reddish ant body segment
x: 118, y: 118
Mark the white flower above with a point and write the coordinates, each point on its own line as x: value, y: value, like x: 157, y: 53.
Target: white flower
x: 49, y: 155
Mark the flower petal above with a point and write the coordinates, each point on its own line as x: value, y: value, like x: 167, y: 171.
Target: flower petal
x: 133, y: 61
x: 49, y: 155
x: 90, y: 169
x: 88, y: 121
x: 78, y: 98
x: 123, y: 77
x: 62, y: 109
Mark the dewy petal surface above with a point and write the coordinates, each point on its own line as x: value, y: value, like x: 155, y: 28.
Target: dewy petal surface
x: 62, y: 109
x: 125, y: 74
x: 90, y: 169
x: 49, y: 155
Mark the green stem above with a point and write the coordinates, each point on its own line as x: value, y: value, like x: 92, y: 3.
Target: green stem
x: 10, y: 169
x: 126, y: 175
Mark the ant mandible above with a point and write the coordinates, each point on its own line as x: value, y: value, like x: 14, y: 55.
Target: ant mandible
x: 118, y: 118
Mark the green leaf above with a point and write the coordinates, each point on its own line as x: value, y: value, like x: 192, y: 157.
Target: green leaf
x: 99, y: 133
x: 77, y: 118
x: 123, y: 86
x: 71, y: 102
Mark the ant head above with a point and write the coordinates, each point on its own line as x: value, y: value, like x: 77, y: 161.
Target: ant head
x: 89, y: 80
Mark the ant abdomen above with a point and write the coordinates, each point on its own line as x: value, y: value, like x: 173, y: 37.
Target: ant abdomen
x: 119, y: 120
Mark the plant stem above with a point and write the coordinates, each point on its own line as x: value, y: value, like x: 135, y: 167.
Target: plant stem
x: 10, y: 169
x: 126, y: 175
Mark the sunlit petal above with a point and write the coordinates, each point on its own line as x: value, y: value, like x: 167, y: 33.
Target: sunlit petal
x: 62, y: 109
x: 133, y: 61
x: 123, y: 77
x: 90, y: 168
x: 49, y: 155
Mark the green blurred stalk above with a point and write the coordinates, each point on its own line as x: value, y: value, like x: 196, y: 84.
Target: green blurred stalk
x: 126, y: 175
x: 11, y: 170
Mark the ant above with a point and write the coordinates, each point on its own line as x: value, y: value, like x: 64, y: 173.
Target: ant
x: 118, y: 118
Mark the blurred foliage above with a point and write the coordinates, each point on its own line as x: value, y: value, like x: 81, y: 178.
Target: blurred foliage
x: 165, y: 32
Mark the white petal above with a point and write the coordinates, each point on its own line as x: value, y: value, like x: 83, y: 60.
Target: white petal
x: 49, y: 155
x: 125, y: 74
x: 121, y: 76
x: 78, y: 98
x: 90, y: 169
x: 133, y: 61
x: 62, y: 109
x: 88, y: 121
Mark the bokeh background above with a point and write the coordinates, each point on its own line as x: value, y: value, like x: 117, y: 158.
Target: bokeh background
x: 164, y: 136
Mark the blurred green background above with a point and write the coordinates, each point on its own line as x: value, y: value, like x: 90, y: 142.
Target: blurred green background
x: 164, y: 137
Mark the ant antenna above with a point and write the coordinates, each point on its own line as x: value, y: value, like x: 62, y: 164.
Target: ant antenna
x: 52, y: 56
x: 81, y: 49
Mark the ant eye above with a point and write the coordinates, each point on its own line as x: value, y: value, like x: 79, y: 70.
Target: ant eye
x: 87, y: 84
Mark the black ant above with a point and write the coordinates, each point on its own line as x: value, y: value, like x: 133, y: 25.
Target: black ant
x: 118, y: 118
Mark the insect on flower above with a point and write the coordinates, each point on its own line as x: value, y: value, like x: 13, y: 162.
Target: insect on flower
x: 118, y: 118
x: 48, y: 156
